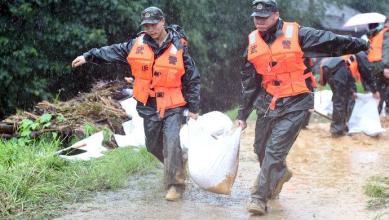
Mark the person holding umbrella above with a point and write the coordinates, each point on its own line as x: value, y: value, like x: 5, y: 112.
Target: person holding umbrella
x: 378, y: 55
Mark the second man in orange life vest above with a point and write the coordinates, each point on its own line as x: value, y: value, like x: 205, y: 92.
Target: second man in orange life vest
x: 378, y: 55
x: 341, y: 73
x: 166, y: 82
x: 276, y: 83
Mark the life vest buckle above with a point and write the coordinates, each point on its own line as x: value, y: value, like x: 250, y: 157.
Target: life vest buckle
x: 159, y: 94
x: 276, y: 82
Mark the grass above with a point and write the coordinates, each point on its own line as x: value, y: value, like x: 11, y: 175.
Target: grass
x: 378, y: 189
x: 35, y: 183
x: 234, y: 112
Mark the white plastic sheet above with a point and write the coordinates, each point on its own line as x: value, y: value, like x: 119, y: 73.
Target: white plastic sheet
x: 93, y: 148
x: 213, y: 152
x: 134, y: 129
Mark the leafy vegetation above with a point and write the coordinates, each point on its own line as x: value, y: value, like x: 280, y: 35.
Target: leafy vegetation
x: 35, y: 182
x: 39, y: 39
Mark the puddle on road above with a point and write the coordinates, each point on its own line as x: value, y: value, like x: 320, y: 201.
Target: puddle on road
x: 327, y: 184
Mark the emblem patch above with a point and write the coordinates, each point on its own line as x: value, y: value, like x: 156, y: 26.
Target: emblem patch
x: 140, y: 50
x: 172, y: 60
x: 286, y: 44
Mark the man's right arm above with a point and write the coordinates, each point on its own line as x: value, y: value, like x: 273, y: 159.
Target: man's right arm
x: 116, y: 53
x: 251, y: 85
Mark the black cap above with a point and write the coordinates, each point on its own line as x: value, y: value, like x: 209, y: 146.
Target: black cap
x: 264, y: 8
x: 151, y: 15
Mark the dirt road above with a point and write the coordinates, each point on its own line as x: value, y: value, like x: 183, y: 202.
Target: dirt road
x: 327, y: 184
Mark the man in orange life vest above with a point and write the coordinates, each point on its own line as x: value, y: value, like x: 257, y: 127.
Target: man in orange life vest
x: 341, y: 73
x: 378, y: 55
x: 166, y: 82
x: 276, y: 83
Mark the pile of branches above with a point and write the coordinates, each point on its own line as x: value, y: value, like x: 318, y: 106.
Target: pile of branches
x: 99, y: 108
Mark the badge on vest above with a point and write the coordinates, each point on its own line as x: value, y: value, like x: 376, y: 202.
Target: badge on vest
x: 253, y: 49
x: 286, y: 44
x: 145, y: 68
x: 140, y: 50
x: 172, y: 60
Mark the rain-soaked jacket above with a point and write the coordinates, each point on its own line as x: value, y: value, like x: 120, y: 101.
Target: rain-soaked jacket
x: 190, y: 80
x: 330, y: 65
x: 276, y: 130
x: 314, y: 43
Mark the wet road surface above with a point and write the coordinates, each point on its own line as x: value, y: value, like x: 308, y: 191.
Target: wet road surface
x: 327, y: 184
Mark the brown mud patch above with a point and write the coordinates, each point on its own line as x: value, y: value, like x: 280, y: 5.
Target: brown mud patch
x: 328, y: 180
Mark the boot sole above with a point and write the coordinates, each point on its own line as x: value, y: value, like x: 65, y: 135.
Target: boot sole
x: 278, y: 188
x: 256, y: 211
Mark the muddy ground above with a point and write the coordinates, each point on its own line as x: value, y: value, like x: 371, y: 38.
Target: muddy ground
x: 327, y: 184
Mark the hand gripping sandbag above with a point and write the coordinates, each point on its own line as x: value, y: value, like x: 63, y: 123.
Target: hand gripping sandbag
x: 214, y: 123
x: 212, y: 160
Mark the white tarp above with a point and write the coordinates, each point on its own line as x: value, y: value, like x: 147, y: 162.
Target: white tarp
x: 93, y: 147
x: 213, y: 151
x: 364, y: 117
x: 134, y: 129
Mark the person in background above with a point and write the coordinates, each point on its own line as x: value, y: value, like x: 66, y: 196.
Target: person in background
x: 378, y: 55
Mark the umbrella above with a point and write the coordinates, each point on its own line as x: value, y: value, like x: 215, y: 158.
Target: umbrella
x: 365, y: 18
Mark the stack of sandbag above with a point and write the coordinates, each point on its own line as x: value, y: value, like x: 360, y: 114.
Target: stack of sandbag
x: 213, y: 151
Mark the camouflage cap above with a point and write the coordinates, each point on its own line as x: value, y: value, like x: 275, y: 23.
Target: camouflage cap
x: 151, y: 15
x: 264, y: 8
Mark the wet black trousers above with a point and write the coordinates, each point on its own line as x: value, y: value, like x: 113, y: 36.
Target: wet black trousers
x: 163, y: 141
x: 383, y: 89
x: 274, y: 137
x: 343, y: 102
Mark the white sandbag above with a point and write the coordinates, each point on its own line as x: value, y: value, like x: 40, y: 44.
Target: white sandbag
x: 93, y: 147
x: 214, y: 123
x: 323, y: 102
x: 365, y: 117
x: 134, y: 129
x: 212, y: 160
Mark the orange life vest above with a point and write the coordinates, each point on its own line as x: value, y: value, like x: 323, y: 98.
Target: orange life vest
x: 376, y: 46
x: 157, y: 77
x: 352, y: 63
x: 281, y: 64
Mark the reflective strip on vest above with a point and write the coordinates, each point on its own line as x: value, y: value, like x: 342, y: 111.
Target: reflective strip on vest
x: 160, y: 77
x: 280, y: 64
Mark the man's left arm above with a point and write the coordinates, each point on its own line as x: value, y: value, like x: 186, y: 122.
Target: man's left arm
x: 320, y: 43
x: 191, y: 83
x: 365, y: 69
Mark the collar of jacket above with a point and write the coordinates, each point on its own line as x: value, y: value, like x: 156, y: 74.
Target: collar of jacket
x: 270, y: 35
x: 154, y: 45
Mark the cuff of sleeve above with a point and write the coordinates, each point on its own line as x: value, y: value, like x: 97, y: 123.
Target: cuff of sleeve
x: 87, y: 56
x: 242, y: 115
x: 193, y: 109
